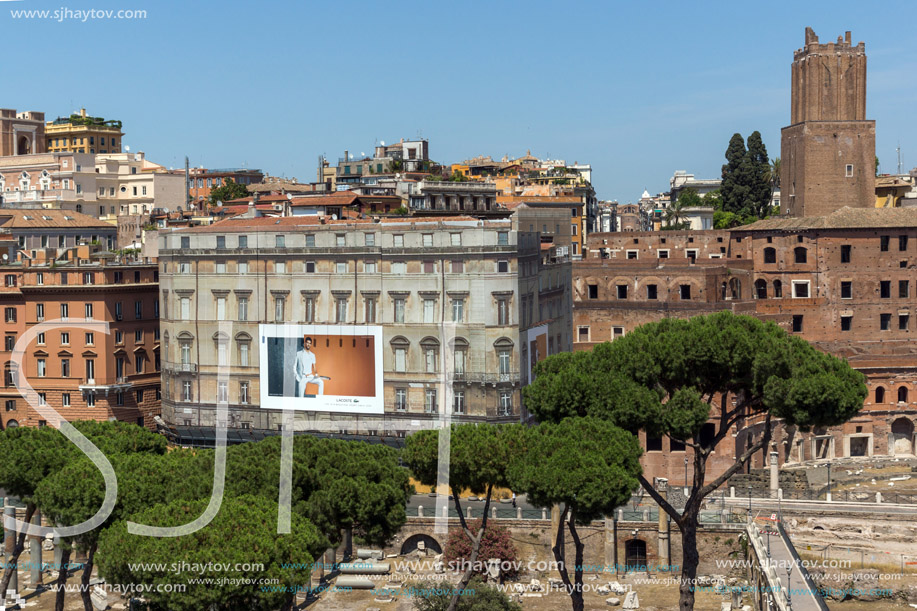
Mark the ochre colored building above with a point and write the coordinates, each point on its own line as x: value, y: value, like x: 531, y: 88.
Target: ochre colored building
x: 83, y: 134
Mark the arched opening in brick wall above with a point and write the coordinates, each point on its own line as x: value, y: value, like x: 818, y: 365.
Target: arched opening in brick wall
x: 880, y: 394
x: 902, y: 437
x: 760, y: 289
x: 24, y: 147
x: 425, y: 543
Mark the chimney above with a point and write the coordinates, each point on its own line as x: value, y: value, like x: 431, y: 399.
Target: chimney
x: 346, y: 155
x: 82, y: 112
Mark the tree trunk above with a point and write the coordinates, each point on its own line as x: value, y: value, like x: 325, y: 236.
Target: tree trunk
x: 475, y: 546
x: 13, y: 561
x: 560, y: 558
x: 689, y: 558
x: 576, y: 596
x: 61, y: 580
x: 85, y: 593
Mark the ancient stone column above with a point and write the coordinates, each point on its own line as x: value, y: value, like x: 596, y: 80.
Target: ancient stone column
x: 775, y: 474
x: 663, y: 531
x: 10, y: 543
x: 35, y: 553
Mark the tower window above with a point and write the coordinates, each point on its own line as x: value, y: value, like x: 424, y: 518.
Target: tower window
x: 849, y: 170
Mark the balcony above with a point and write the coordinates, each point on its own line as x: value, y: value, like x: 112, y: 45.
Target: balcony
x: 487, y: 378
x: 179, y: 367
x: 96, y: 386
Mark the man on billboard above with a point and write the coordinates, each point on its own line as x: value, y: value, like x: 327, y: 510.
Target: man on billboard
x: 305, y: 369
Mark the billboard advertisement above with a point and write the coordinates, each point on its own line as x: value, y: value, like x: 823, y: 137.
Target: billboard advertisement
x: 327, y: 368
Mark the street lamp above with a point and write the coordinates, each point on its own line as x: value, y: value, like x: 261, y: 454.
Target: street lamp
x: 789, y: 602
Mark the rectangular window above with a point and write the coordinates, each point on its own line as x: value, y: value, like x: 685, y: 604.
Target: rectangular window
x: 42, y: 367
x: 10, y: 314
x: 845, y: 253
x: 138, y: 310
x: 458, y: 310
x: 65, y: 338
x: 341, y: 309
x: 684, y: 290
x: 280, y: 241
x: 848, y: 170
x: 243, y: 392
x: 221, y: 268
x: 310, y: 267
x: 502, y: 238
x: 800, y: 289
x: 429, y: 267
x: 243, y: 267
x: 903, y: 320
x: 221, y: 308
x: 430, y: 405
x: 399, y: 310
x: 42, y: 399
x: 243, y: 241
x: 119, y: 314
x: 401, y: 399
x: 617, y: 332
x: 89, y: 339
x: 458, y: 267
x: 885, y: 321
x: 278, y: 309
x: 310, y: 240
x: 280, y: 267
x: 846, y: 290
x: 502, y: 267
x: 309, y: 307
x: 65, y: 368
x: 369, y: 267
x: 186, y: 308
x: 904, y: 289
x: 186, y: 390
x: 885, y: 289
x: 65, y: 399
x: 401, y: 358
x: 455, y: 239
x: 221, y: 242
x: 662, y: 254
x: 846, y: 322
x: 503, y: 312
x: 398, y: 240
x: 138, y: 363
x: 651, y: 291
x: 428, y: 310
x: 40, y: 311
x: 243, y: 308
x: 593, y: 291
x: 883, y: 243
x: 622, y: 291
x: 797, y: 323
x: 341, y: 268
x: 41, y: 339
x: 430, y: 359
x: 369, y: 313
x: 428, y: 240
x: 458, y: 402
x: 87, y: 310
x: 506, y: 403
x: 340, y: 240
x: 369, y: 239
x: 223, y: 392
x: 399, y: 268
x: 243, y: 354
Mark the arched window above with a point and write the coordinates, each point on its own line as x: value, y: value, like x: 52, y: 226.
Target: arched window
x: 11, y: 424
x: 902, y: 394
x: 800, y: 254
x: 760, y: 288
x: 504, y: 348
x: 770, y: 255
x: 244, y: 348
x: 400, y: 347
x: 880, y: 394
x: 735, y: 288
x: 430, y: 347
x: 778, y: 289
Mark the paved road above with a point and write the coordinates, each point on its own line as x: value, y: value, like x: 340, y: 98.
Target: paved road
x: 819, y: 507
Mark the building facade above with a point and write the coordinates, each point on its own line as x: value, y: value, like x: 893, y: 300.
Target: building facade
x: 80, y: 133
x: 844, y: 283
x: 414, y: 277
x: 21, y: 133
x: 94, y: 347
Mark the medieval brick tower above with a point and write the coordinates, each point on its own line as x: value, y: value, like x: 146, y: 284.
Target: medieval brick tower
x: 828, y: 152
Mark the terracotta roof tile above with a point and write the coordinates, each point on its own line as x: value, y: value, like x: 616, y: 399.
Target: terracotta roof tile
x: 18, y: 218
x: 843, y: 218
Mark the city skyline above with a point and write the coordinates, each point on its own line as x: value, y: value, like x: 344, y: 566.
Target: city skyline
x: 634, y: 98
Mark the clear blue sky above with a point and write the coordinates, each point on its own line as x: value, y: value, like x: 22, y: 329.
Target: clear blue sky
x: 638, y: 90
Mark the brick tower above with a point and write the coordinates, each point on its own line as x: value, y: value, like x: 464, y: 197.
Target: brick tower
x: 828, y: 152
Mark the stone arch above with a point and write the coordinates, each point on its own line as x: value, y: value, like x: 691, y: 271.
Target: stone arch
x: 635, y: 555
x: 660, y: 285
x: 880, y: 394
x: 778, y: 289
x: 430, y: 544
x: 902, y: 394
x: 760, y: 288
x: 902, y: 441
x: 23, y: 146
x: 735, y: 289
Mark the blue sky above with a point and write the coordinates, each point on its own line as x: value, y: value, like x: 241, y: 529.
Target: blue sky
x: 638, y: 90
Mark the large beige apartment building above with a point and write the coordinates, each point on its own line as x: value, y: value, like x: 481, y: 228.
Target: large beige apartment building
x: 444, y: 295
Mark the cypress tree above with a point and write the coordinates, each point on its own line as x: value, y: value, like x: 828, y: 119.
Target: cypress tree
x: 734, y: 189
x: 759, y: 186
